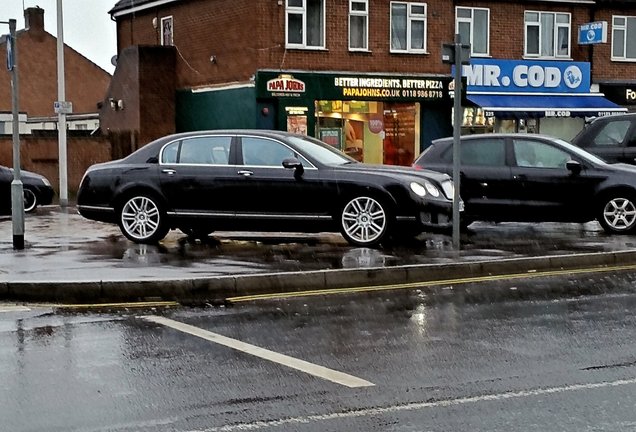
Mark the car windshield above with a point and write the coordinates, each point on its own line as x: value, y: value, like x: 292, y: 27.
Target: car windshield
x: 580, y: 152
x: 320, y: 151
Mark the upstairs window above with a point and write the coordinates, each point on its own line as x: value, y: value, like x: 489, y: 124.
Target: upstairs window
x: 473, y: 25
x: 624, y: 38
x: 166, y: 31
x: 358, y: 25
x: 305, y: 23
x: 408, y: 27
x: 547, y: 34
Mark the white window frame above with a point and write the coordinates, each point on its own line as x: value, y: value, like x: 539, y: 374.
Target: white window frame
x: 623, y: 28
x: 557, y: 26
x: 471, y: 22
x: 360, y: 14
x: 302, y: 10
x: 410, y: 17
x: 163, y: 20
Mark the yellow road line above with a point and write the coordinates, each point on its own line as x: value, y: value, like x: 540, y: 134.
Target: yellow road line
x: 128, y: 305
x: 331, y: 291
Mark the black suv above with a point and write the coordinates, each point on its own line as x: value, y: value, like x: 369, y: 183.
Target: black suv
x: 613, y: 138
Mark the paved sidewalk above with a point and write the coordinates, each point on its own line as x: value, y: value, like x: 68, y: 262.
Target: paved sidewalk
x: 68, y: 258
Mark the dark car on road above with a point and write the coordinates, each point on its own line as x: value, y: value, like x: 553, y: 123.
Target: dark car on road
x: 613, y: 138
x: 37, y: 190
x: 255, y: 180
x: 534, y: 178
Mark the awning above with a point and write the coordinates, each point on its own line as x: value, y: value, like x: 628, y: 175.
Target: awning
x: 530, y: 105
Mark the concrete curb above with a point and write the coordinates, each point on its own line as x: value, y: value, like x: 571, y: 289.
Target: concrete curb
x: 217, y: 289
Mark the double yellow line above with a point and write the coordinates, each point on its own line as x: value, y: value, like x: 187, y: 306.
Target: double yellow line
x: 410, y: 285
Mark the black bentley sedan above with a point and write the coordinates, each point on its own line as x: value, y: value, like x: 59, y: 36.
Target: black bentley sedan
x: 534, y: 178
x: 37, y: 190
x: 259, y: 180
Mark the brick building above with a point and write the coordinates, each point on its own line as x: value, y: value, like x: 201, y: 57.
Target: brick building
x: 365, y: 75
x: 85, y: 82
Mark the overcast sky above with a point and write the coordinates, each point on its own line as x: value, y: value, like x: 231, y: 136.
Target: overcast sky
x: 88, y: 28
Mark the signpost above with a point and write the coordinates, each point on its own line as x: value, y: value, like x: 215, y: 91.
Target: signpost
x: 457, y: 54
x: 17, y: 193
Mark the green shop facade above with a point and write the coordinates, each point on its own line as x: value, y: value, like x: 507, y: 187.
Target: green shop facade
x: 375, y: 118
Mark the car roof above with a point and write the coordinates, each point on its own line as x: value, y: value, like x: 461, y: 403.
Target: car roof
x: 621, y: 116
x: 496, y: 135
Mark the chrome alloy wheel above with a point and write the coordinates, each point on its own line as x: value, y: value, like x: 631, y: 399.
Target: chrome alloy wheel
x: 30, y: 200
x: 364, y: 220
x: 140, y: 218
x: 620, y: 214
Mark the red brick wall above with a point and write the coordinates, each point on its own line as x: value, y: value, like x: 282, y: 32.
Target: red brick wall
x: 249, y: 35
x: 40, y: 155
x: 604, y: 69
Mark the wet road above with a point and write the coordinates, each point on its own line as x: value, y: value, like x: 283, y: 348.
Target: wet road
x: 502, y: 356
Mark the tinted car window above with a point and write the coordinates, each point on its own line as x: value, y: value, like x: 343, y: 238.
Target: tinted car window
x: 482, y: 152
x: 613, y: 133
x: 170, y: 153
x: 264, y: 152
x: 530, y: 153
x: 205, y: 150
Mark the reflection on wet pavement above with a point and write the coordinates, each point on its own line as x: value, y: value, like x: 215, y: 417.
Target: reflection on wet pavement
x: 61, y: 245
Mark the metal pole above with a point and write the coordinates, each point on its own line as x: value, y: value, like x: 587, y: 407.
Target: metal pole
x: 17, y: 193
x: 457, y: 124
x: 61, y: 128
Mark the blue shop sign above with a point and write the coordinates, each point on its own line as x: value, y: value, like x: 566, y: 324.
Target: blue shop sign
x: 526, y: 76
x: 593, y: 33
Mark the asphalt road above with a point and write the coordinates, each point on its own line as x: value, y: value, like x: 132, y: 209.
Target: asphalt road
x: 497, y: 356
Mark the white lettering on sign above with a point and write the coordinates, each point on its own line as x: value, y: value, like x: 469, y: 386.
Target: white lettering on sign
x: 523, y: 76
x: 286, y: 84
x: 630, y: 94
x: 557, y: 113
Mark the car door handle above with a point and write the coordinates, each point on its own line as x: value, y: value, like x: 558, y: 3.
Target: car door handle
x: 483, y: 184
x: 520, y: 177
x: 245, y: 173
x: 169, y: 171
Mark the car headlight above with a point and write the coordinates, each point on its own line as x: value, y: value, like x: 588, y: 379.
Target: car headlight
x: 418, y: 189
x: 46, y: 182
x: 424, y: 188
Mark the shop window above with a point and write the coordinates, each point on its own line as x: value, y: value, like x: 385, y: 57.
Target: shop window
x: 624, y: 38
x: 473, y: 25
x: 167, y: 31
x: 371, y: 131
x: 547, y: 34
x: 305, y: 25
x: 408, y: 27
x: 358, y: 25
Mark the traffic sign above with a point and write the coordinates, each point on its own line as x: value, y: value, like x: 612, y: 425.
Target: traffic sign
x: 63, y: 107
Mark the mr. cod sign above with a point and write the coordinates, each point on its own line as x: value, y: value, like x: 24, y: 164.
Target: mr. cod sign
x: 525, y: 76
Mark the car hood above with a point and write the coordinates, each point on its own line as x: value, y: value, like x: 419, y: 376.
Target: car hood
x: 393, y: 170
x: 28, y: 175
x: 623, y: 167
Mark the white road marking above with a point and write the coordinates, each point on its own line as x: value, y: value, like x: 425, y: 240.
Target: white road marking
x: 414, y: 406
x: 294, y: 363
x: 8, y: 308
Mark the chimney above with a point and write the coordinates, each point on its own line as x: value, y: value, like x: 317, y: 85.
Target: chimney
x: 34, y: 19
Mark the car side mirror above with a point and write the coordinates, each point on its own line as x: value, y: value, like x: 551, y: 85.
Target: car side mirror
x: 573, y: 166
x: 295, y: 164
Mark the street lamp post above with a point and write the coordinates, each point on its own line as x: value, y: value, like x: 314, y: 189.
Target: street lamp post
x: 62, y: 109
x: 17, y: 193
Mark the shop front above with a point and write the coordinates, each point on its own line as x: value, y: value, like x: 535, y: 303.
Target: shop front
x: 547, y: 97
x: 621, y: 93
x: 380, y: 119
